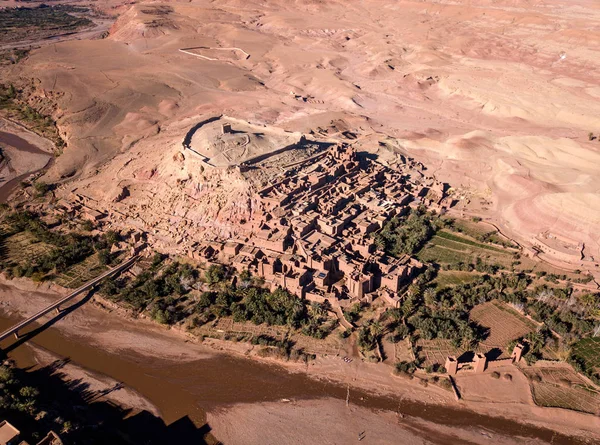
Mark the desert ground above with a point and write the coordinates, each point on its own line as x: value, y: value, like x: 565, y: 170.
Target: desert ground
x: 496, y: 98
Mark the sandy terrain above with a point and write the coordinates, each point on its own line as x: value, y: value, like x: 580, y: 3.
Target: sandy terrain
x: 135, y: 340
x: 332, y: 422
x: 495, y: 97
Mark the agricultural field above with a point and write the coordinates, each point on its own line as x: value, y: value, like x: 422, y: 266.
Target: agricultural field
x: 397, y: 352
x: 436, y: 351
x: 573, y: 398
x: 448, y: 278
x: 81, y: 273
x: 504, y: 324
x: 481, y: 231
x: 588, y: 349
x: 459, y: 239
x: 450, y: 248
x: 20, y: 23
x: 557, y: 374
x: 23, y: 248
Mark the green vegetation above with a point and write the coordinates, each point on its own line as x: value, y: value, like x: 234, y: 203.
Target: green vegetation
x: 41, y: 188
x: 159, y: 294
x: 19, y: 23
x: 368, y: 335
x: 437, y: 309
x: 585, y: 358
x: 407, y: 234
x: 166, y: 295
x: 479, y: 232
x: 453, y: 278
x: 13, y: 105
x: 66, y: 249
x: 463, y: 240
x: 214, y: 274
x: 15, y: 396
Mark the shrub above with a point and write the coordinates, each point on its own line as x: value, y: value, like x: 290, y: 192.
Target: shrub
x: 87, y: 225
x: 41, y: 188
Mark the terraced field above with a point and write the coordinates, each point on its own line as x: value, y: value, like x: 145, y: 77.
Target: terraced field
x: 450, y: 248
x: 81, y: 273
x: 573, y: 398
x: 504, y: 324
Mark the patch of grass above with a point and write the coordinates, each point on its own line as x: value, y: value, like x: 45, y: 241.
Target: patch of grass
x: 453, y: 278
x: 451, y: 249
x: 460, y: 239
x: 437, y: 254
x: 588, y: 349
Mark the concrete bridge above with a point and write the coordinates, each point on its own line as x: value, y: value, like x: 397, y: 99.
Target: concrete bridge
x: 56, y: 306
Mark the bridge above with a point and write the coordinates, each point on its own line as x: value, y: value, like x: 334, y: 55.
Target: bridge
x: 56, y: 306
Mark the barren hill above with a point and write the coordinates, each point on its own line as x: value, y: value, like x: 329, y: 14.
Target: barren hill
x: 495, y: 97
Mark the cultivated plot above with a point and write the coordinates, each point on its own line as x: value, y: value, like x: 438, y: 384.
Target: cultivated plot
x: 504, y: 324
x: 577, y: 399
x: 588, y: 349
x: 435, y: 351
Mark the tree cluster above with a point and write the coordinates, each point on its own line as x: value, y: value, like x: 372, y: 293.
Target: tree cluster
x: 68, y: 249
x: 407, y: 234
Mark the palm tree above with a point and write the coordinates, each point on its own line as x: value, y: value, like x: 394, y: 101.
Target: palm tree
x: 376, y: 329
x: 316, y: 309
x: 429, y: 296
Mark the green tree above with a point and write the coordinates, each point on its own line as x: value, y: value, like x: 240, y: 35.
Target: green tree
x: 245, y: 276
x: 214, y: 274
x: 11, y: 92
x: 104, y: 257
x: 111, y: 237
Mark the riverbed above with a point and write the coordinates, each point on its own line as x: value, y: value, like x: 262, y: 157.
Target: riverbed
x: 184, y: 379
x: 24, y: 154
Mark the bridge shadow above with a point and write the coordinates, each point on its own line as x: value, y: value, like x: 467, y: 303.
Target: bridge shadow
x: 25, y: 337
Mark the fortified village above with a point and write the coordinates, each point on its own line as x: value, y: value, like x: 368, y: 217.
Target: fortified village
x: 307, y: 220
x: 312, y: 231
x: 311, y: 228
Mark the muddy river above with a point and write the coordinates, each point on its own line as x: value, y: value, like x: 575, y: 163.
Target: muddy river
x: 193, y: 388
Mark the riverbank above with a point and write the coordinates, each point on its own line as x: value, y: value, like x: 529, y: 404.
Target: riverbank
x: 24, y: 153
x: 103, y: 386
x: 183, y: 378
x: 296, y: 422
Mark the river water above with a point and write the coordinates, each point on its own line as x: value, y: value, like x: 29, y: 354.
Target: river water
x: 193, y: 388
